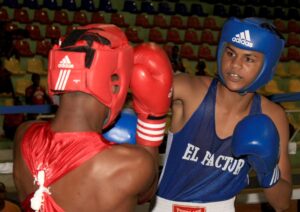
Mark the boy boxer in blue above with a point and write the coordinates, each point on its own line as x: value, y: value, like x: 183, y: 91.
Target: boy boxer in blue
x: 207, y: 162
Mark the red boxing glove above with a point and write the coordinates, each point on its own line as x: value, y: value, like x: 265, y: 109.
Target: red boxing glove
x: 151, y: 86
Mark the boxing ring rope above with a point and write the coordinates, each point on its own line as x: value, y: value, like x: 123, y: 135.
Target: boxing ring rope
x: 28, y: 109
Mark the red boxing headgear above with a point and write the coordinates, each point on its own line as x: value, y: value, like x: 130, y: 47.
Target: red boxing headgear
x: 93, y: 59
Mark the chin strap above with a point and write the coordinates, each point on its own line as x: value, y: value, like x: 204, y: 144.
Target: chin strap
x: 38, y: 198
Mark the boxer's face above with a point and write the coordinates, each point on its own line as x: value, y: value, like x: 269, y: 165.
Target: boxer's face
x: 240, y: 67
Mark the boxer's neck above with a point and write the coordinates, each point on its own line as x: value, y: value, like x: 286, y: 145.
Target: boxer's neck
x: 79, y: 113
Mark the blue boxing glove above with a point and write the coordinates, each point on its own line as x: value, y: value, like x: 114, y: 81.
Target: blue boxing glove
x: 257, y: 139
x: 124, y: 130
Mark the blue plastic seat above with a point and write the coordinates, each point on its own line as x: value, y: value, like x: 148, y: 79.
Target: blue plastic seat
x: 279, y: 13
x: 12, y: 3
x: 181, y: 9
x: 87, y: 5
x: 219, y: 10
x: 69, y: 5
x: 51, y: 4
x: 130, y: 6
x: 293, y: 13
x: 148, y: 7
x: 164, y: 8
x: 106, y: 6
x: 32, y: 4
x: 197, y: 9
x: 249, y: 11
x: 235, y: 10
x: 265, y: 12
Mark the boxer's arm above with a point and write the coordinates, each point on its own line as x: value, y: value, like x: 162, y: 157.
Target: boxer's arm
x: 279, y: 195
x: 188, y: 93
x: 19, y: 167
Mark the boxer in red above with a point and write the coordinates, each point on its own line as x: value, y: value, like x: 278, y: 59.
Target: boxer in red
x: 66, y: 164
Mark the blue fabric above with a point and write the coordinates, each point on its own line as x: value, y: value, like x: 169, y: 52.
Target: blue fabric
x: 199, y: 165
x: 27, y: 109
x: 285, y: 97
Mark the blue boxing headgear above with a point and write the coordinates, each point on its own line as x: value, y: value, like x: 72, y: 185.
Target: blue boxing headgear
x: 254, y: 34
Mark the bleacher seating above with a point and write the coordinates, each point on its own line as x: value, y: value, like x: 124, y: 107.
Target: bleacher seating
x: 165, y: 8
x: 130, y: 6
x: 21, y: 16
x: 133, y: 35
x: 119, y: 20
x: 4, y: 15
x: 106, y: 6
x: 97, y: 17
x: 69, y: 5
x: 191, y: 36
x: 61, y: 17
x: 23, y: 48
x: 181, y: 9
x: 80, y: 18
x: 177, y: 21
x: 160, y: 21
x: 51, y: 4
x: 34, y: 31
x: 12, y: 3
x: 43, y: 47
x: 32, y: 4
x: 156, y: 35
x: 194, y: 22
x: 148, y: 7
x: 192, y: 25
x: 143, y: 20
x: 41, y: 16
x: 87, y: 5
x: 197, y: 9
x: 13, y: 66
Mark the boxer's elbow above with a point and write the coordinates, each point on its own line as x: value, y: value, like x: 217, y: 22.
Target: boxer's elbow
x: 279, y: 196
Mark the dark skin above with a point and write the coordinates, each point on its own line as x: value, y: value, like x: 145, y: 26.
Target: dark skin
x: 239, y: 68
x: 113, y: 180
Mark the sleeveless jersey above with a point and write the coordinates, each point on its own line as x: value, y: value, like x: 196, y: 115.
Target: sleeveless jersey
x: 56, y: 154
x: 199, y: 166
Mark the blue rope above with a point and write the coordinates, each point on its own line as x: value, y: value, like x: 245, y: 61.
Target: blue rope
x: 27, y: 109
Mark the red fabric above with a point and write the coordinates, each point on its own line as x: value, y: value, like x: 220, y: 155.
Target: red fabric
x: 57, y: 153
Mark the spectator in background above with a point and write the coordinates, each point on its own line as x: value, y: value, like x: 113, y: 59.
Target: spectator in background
x: 176, y: 60
x: 6, y: 86
x: 200, y: 68
x: 6, y: 205
x: 36, y: 94
x: 12, y: 121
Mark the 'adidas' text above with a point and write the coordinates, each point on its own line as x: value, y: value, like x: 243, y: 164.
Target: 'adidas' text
x: 65, y: 63
x: 243, y: 38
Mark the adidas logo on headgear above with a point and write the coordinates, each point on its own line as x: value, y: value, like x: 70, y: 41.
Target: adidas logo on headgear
x: 243, y: 38
x: 65, y: 63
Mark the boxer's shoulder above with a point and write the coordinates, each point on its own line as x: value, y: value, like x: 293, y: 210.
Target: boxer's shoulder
x: 272, y: 109
x: 125, y: 165
x: 187, y: 86
x: 22, y: 129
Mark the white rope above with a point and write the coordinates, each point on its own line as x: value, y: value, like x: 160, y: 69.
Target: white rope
x: 38, y: 198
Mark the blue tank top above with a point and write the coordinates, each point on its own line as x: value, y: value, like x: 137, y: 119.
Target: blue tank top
x: 199, y: 166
